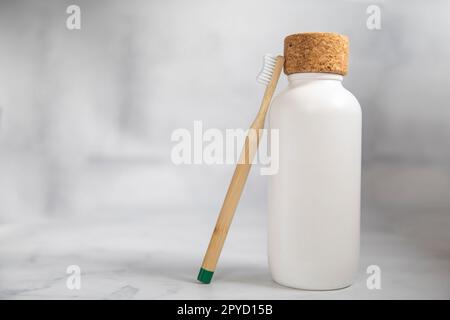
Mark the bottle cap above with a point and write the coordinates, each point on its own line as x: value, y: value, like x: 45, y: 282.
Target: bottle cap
x: 316, y: 52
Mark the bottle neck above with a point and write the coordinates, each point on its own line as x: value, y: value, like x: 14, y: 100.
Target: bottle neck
x: 302, y: 78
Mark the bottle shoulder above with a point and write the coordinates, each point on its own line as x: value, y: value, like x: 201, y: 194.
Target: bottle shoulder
x: 317, y: 98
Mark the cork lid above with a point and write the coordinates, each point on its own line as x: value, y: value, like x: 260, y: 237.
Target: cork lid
x: 316, y: 52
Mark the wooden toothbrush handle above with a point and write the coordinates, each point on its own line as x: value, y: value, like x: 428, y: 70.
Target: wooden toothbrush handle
x: 230, y: 203
x: 238, y: 181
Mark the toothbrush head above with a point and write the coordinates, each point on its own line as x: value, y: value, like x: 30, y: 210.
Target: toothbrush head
x: 269, y: 62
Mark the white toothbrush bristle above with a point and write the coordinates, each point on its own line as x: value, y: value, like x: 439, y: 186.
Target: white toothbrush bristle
x: 265, y: 75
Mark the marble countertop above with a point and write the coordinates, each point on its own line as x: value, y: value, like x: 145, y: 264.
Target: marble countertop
x: 157, y: 256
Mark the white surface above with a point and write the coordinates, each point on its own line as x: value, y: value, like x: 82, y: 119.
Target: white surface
x: 314, y: 198
x: 157, y: 256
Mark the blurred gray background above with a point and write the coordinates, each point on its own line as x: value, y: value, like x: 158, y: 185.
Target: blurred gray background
x: 87, y: 115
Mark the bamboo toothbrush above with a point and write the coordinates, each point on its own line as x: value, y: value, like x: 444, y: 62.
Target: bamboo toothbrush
x: 268, y: 76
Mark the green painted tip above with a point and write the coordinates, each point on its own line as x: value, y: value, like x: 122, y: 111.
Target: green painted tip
x: 205, y: 276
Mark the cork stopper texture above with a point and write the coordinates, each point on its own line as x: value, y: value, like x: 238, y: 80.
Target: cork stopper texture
x: 316, y: 52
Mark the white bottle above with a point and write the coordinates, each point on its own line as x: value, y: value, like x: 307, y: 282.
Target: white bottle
x: 314, y: 199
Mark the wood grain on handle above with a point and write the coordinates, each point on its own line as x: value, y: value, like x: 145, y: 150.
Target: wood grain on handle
x: 238, y: 181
